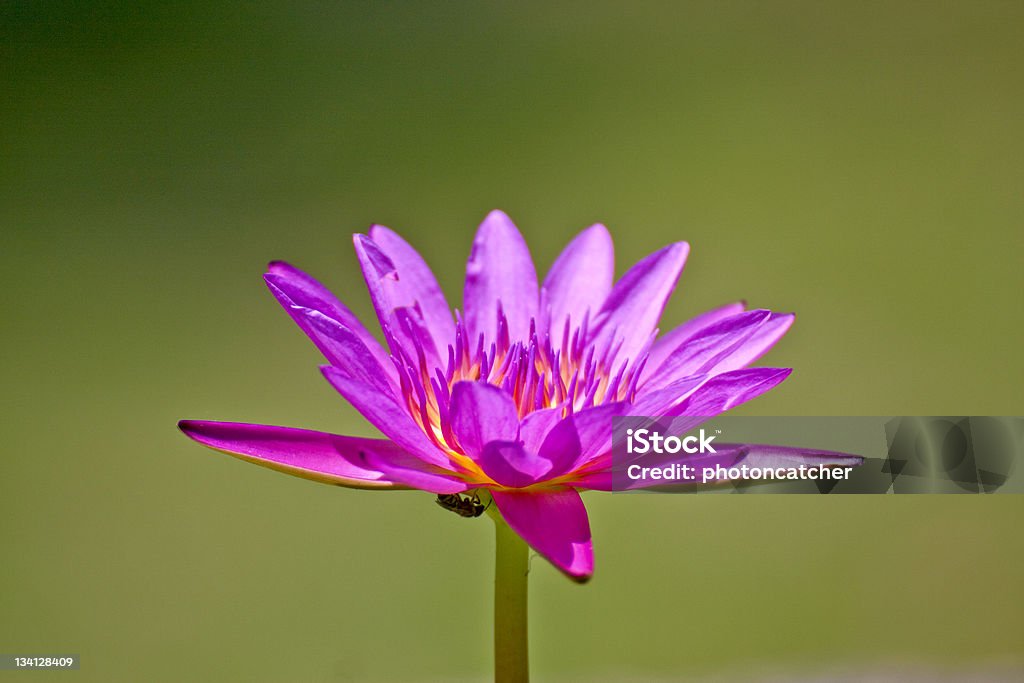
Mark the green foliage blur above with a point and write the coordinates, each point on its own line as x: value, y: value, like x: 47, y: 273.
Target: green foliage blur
x: 858, y: 163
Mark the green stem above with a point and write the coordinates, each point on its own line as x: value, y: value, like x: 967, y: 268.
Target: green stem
x: 511, y: 659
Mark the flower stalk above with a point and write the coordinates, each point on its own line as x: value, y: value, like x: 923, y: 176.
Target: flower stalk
x: 511, y: 570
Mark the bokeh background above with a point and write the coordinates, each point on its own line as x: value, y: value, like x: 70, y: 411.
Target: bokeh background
x: 858, y: 163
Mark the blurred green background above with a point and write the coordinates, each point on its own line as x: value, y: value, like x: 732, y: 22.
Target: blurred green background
x: 858, y: 163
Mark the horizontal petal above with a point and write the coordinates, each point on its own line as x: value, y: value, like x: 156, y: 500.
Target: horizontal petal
x: 555, y: 524
x: 387, y: 415
x: 633, y: 308
x: 667, y: 343
x: 319, y: 456
x: 580, y: 279
x: 500, y: 272
x: 297, y: 291
x: 418, y: 285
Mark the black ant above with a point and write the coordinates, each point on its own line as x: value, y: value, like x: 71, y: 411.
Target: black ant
x: 470, y: 506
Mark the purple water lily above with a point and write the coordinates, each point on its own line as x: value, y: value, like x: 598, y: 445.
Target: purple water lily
x: 513, y: 399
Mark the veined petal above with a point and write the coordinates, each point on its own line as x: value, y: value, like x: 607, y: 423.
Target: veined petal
x: 318, y: 456
x: 728, y: 390
x: 481, y: 413
x: 392, y: 300
x: 500, y: 271
x: 555, y: 524
x: 633, y: 308
x: 659, y: 401
x: 387, y: 415
x: 726, y: 345
x: 580, y: 279
x: 669, y: 342
x: 297, y: 290
x: 417, y: 284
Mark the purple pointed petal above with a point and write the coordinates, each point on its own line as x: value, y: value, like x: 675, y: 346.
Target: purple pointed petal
x: 417, y: 284
x: 580, y: 279
x: 633, y: 308
x: 500, y: 271
x: 319, y: 456
x: 391, y: 296
x: 766, y: 336
x: 729, y: 344
x: 508, y: 464
x: 659, y: 401
x: 387, y: 415
x: 296, y: 290
x: 555, y: 524
x: 481, y: 413
x: 668, y: 342
x: 728, y: 390
x: 350, y: 356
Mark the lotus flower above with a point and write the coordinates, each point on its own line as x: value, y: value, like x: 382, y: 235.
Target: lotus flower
x: 513, y: 398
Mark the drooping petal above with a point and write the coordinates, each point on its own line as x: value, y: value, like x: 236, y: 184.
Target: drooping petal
x: 726, y: 345
x: 395, y: 302
x: 418, y: 284
x: 387, y: 415
x: 633, y: 308
x: 318, y: 456
x: 297, y: 290
x: 500, y: 271
x: 555, y: 524
x: 580, y: 279
x: 509, y: 464
x: 481, y: 413
x: 667, y: 343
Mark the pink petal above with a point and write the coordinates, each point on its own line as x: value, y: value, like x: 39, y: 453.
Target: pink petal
x: 391, y: 296
x: 555, y: 524
x: 296, y: 290
x: 668, y: 342
x: 728, y: 390
x: 418, y: 284
x: 500, y: 271
x: 481, y: 413
x: 728, y: 344
x: 387, y: 415
x: 580, y: 279
x: 319, y: 456
x: 633, y: 308
x: 536, y: 425
x: 507, y: 463
x: 581, y: 438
